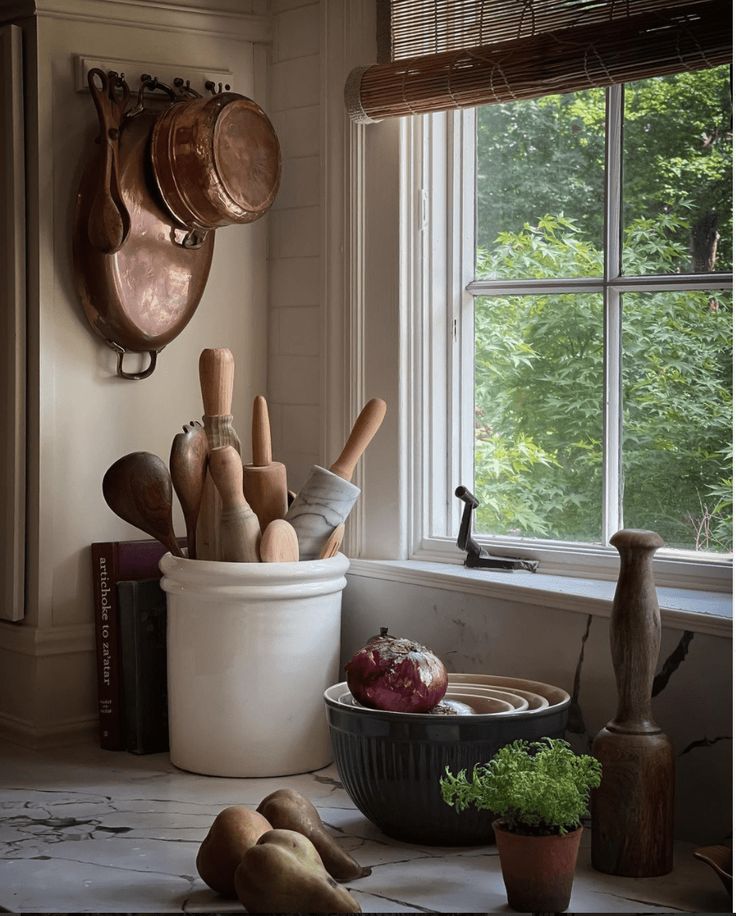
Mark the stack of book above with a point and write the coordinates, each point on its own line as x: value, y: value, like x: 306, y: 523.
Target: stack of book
x: 130, y: 629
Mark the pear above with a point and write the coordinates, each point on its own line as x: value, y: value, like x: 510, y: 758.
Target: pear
x: 233, y: 832
x: 287, y: 809
x: 283, y: 873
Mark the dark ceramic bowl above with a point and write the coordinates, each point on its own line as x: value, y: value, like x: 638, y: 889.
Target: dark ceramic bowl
x: 390, y: 763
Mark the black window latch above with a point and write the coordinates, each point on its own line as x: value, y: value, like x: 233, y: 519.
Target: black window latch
x: 477, y: 557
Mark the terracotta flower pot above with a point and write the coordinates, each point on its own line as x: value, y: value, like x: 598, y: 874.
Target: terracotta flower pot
x: 538, y: 871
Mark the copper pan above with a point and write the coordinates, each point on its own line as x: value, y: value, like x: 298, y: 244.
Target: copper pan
x: 216, y: 160
x: 140, y: 296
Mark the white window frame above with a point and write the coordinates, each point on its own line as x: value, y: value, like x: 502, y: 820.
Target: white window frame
x: 393, y: 292
x: 441, y: 150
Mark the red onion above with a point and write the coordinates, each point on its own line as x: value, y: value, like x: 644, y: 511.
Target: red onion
x: 396, y: 674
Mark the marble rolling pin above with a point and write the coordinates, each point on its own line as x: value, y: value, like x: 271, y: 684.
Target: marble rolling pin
x: 325, y: 500
x: 240, y: 533
x: 216, y: 378
x: 632, y: 810
x: 264, y: 481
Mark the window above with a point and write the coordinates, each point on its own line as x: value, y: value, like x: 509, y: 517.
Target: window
x: 587, y: 259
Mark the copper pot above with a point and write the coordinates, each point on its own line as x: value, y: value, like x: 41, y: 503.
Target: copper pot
x: 143, y: 294
x: 216, y: 160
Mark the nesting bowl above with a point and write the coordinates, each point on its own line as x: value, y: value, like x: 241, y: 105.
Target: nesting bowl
x: 391, y: 762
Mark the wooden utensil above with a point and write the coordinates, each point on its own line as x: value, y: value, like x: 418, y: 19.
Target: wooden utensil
x: 216, y: 379
x: 137, y: 487
x: 109, y: 221
x: 632, y: 811
x: 188, y: 466
x: 264, y: 481
x: 240, y: 532
x: 327, y: 497
x: 333, y: 543
x: 279, y: 543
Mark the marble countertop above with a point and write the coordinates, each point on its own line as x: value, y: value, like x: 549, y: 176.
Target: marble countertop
x: 86, y: 830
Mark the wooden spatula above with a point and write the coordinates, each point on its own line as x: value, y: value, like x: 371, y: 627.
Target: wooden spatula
x: 264, y: 481
x: 239, y: 529
x: 279, y: 543
x: 333, y: 543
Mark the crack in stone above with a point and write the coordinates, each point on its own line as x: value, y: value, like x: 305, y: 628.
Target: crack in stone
x: 575, y: 720
x: 669, y: 906
x: 672, y: 663
x: 403, y: 861
x: 329, y: 781
x: 412, y: 906
x: 109, y: 865
x: 704, y: 742
x: 107, y: 798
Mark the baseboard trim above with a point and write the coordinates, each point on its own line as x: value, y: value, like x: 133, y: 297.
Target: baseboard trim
x: 42, y: 641
x: 80, y: 730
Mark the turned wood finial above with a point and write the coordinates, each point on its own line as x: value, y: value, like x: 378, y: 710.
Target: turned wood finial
x: 635, y: 631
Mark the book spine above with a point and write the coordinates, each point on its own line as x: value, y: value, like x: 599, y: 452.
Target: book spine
x: 142, y: 606
x: 107, y: 636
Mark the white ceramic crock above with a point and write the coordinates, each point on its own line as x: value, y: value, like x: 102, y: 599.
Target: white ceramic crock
x: 251, y: 648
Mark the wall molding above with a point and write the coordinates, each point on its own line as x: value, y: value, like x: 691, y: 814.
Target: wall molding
x: 348, y: 31
x: 13, y: 323
x: 44, y: 641
x: 25, y: 733
x: 169, y: 17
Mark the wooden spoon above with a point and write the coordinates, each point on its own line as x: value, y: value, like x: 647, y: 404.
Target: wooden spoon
x: 188, y: 465
x: 109, y: 220
x: 279, y: 543
x: 333, y: 542
x: 137, y: 487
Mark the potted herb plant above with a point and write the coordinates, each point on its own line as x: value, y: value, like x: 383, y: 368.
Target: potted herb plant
x: 539, y: 790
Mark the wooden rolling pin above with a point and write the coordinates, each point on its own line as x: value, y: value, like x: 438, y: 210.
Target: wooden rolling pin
x: 325, y: 500
x: 240, y: 532
x: 264, y: 481
x: 632, y: 811
x: 216, y: 379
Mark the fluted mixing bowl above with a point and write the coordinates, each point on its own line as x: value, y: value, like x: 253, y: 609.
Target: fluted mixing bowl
x: 391, y: 763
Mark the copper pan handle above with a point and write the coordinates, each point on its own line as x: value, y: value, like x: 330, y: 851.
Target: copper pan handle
x: 109, y: 222
x: 121, y: 351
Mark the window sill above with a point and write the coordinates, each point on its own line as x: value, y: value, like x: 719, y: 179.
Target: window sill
x: 682, y: 609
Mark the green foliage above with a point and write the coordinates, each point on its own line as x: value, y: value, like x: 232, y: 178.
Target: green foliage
x: 538, y: 788
x: 539, y: 359
x: 547, y: 156
x: 539, y: 396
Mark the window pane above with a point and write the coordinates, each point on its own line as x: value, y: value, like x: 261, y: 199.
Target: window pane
x: 539, y: 187
x: 677, y: 153
x: 538, y: 385
x: 677, y: 459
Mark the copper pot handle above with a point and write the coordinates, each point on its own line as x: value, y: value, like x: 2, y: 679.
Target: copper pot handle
x: 109, y: 221
x: 121, y: 351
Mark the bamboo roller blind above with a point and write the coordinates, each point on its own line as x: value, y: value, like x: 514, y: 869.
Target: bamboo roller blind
x: 446, y: 54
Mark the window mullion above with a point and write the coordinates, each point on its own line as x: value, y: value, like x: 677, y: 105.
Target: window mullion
x: 612, y: 489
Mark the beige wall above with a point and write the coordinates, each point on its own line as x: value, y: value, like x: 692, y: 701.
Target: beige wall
x: 296, y: 262
x: 81, y: 417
